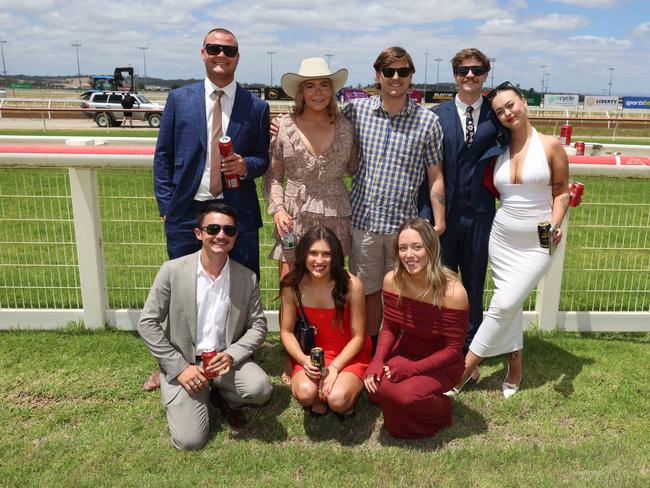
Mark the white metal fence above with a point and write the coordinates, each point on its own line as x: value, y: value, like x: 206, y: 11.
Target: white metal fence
x: 44, y: 238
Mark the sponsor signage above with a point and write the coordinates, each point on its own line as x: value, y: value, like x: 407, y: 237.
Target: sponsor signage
x: 636, y: 102
x: 438, y: 96
x: 534, y: 99
x: 594, y: 103
x: 560, y: 101
x: 255, y: 91
x: 275, y: 93
x: 20, y: 85
x: 352, y: 93
x: 416, y: 95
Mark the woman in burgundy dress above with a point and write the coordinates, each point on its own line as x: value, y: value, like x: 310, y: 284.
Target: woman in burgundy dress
x: 420, y: 349
x: 334, y: 303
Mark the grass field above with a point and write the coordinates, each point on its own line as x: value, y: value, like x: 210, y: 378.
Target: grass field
x: 72, y: 413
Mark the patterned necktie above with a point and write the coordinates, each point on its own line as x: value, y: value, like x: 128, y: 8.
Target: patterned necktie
x: 215, y: 154
x: 469, y: 126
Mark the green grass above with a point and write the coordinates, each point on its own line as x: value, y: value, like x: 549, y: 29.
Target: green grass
x: 72, y: 413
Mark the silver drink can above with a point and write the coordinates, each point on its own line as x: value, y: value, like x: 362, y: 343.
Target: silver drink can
x: 289, y: 240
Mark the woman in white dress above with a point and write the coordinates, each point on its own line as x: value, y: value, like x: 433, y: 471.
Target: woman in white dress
x: 532, y: 179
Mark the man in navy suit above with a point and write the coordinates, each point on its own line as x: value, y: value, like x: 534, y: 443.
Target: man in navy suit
x: 184, y: 173
x: 468, y: 144
x: 187, y: 177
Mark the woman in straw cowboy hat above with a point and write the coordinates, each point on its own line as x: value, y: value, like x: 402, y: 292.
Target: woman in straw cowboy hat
x: 312, y: 150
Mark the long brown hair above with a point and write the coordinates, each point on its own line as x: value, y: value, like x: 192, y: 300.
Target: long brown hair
x: 438, y: 276
x: 299, y: 101
x: 338, y: 273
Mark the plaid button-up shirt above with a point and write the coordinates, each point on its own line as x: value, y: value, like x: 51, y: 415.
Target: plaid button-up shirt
x: 394, y: 154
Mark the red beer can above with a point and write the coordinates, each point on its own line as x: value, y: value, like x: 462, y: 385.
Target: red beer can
x: 565, y: 134
x: 576, y: 189
x: 206, y: 357
x: 580, y: 148
x: 226, y: 149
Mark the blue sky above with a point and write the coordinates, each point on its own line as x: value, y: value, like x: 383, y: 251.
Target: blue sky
x: 577, y: 40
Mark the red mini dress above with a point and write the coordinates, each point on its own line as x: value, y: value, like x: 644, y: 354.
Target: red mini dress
x: 333, y: 338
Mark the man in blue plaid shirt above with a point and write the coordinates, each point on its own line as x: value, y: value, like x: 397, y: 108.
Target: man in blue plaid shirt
x: 399, y: 143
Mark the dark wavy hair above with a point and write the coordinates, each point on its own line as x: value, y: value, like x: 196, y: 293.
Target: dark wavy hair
x: 337, y: 270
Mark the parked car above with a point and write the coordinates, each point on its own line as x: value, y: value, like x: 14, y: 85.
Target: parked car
x: 113, y: 99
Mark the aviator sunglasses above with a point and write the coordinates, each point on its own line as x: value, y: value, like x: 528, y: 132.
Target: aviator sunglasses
x: 214, y: 229
x: 390, y: 72
x: 215, y: 49
x: 464, y: 70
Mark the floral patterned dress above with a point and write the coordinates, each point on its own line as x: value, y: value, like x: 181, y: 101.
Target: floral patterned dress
x: 313, y: 192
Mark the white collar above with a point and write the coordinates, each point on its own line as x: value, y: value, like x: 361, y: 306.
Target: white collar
x: 228, y: 90
x: 225, y: 271
x: 462, y: 106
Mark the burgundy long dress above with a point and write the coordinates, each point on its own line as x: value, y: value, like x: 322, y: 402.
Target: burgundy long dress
x: 423, y: 346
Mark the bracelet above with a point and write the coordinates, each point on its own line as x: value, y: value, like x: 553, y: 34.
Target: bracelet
x: 335, y: 367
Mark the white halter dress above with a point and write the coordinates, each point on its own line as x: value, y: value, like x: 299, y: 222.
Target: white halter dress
x: 517, y: 260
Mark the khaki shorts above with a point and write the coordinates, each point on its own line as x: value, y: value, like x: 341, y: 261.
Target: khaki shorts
x: 371, y: 258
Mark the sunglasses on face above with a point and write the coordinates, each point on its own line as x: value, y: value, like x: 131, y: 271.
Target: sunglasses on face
x: 215, y: 49
x: 214, y: 229
x: 401, y: 72
x: 506, y: 85
x: 464, y: 70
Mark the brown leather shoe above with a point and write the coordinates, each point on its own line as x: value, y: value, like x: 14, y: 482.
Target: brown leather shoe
x: 235, y: 417
x: 153, y: 382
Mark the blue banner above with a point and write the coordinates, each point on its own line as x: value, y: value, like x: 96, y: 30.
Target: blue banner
x: 636, y: 102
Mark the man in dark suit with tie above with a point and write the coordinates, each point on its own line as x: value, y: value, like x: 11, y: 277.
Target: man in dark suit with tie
x: 188, y: 169
x: 468, y: 144
x: 189, y: 172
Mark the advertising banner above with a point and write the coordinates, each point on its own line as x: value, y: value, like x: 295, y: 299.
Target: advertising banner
x: 415, y: 95
x: 553, y: 100
x: 595, y: 103
x: 534, y: 99
x: 352, y: 93
x: 636, y: 102
x: 276, y: 93
x: 437, y: 96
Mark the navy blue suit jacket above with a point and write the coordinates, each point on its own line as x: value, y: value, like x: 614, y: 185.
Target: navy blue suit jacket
x: 483, y: 148
x: 182, y: 145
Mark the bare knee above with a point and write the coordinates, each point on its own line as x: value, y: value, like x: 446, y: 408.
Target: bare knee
x: 304, y: 391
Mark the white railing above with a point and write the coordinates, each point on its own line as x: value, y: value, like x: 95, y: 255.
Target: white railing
x: 85, y: 244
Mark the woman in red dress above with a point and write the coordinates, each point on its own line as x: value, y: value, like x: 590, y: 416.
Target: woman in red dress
x: 334, y: 303
x: 420, y: 349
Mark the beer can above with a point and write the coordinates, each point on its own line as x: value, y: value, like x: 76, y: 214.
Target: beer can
x: 544, y: 233
x: 317, y: 358
x: 226, y: 149
x: 576, y: 190
x: 289, y: 240
x: 206, y: 357
x: 580, y: 148
x: 565, y: 134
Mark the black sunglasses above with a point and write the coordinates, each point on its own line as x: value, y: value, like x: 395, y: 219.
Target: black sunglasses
x: 464, y: 70
x: 390, y: 72
x: 506, y: 85
x: 214, y: 229
x: 215, y: 49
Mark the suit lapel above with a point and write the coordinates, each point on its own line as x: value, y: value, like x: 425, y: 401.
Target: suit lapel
x: 459, y: 137
x: 238, y: 113
x: 197, y: 96
x: 188, y: 292
x: 234, y: 301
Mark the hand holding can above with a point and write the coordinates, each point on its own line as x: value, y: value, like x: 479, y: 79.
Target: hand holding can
x: 226, y: 149
x: 206, y: 357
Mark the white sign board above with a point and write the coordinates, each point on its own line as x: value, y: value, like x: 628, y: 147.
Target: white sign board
x: 552, y: 100
x: 595, y: 103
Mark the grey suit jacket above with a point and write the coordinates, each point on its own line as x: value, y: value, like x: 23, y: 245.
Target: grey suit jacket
x: 173, y: 298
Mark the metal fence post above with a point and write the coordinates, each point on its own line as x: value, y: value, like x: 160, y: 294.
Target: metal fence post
x: 547, y: 302
x: 85, y: 205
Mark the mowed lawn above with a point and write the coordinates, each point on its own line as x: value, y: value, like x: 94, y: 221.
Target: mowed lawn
x: 72, y: 413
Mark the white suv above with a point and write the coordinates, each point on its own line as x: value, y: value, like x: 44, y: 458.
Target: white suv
x: 112, y: 99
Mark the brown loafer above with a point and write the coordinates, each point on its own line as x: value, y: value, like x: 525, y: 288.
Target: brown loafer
x: 235, y: 417
x: 153, y: 382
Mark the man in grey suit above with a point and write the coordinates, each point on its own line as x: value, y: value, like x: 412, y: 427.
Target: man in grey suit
x: 210, y: 302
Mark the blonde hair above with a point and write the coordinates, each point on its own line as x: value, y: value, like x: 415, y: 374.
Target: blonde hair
x: 438, y: 276
x: 299, y: 107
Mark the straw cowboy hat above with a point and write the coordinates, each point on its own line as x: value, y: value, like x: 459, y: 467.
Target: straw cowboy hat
x: 310, y: 69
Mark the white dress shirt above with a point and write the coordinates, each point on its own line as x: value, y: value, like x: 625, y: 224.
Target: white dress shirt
x: 227, y: 101
x: 462, y: 112
x: 212, y: 301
